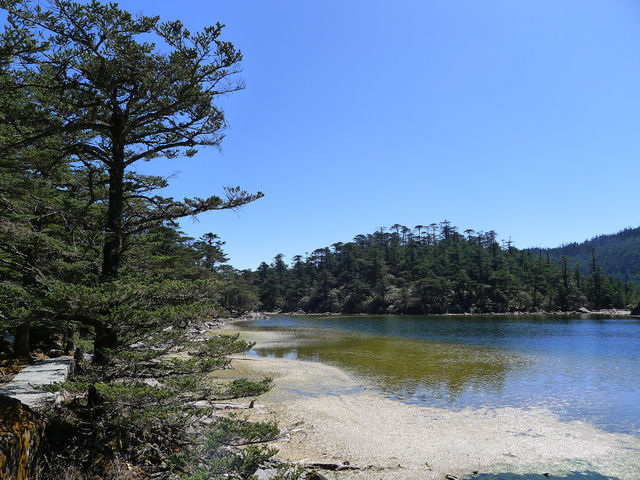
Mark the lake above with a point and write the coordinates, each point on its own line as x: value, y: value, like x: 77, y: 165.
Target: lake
x: 579, y: 367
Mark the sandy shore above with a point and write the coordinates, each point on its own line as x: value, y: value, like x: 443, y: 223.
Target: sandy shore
x: 399, y: 441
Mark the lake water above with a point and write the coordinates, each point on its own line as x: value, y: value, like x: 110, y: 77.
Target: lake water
x: 581, y: 368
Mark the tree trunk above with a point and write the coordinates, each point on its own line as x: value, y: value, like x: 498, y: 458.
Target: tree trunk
x: 106, y: 338
x: 113, y: 230
x: 22, y: 341
x: 69, y: 346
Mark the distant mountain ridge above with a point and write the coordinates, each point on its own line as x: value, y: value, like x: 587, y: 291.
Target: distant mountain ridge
x: 617, y: 254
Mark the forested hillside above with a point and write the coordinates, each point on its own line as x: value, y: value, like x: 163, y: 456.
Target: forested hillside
x: 618, y: 254
x: 432, y: 269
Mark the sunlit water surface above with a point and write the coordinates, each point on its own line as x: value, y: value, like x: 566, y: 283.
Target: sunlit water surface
x: 581, y: 368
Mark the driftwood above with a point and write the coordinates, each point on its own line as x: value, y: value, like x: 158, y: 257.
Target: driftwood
x: 334, y: 467
x: 231, y: 405
x: 285, y: 434
x: 224, y: 405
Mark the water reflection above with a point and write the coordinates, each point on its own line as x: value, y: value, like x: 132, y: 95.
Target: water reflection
x: 406, y: 368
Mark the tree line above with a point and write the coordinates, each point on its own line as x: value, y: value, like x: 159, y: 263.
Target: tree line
x: 434, y: 268
x: 618, y: 254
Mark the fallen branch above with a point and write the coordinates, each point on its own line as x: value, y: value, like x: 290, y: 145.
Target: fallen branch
x: 223, y: 405
x: 334, y: 467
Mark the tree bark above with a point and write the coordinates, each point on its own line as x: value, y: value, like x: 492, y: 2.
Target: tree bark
x: 69, y: 346
x: 22, y: 341
x: 113, y: 227
x: 107, y: 337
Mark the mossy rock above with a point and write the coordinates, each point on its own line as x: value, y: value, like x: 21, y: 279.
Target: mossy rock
x: 21, y: 431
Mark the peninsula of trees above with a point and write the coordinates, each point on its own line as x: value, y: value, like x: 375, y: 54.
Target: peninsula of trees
x: 433, y: 269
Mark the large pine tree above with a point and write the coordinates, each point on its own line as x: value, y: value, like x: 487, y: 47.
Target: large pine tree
x: 115, y: 98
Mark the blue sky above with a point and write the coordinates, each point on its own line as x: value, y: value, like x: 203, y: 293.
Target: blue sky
x: 522, y: 117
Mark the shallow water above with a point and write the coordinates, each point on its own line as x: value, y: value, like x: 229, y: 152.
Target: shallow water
x: 534, y: 476
x: 581, y: 368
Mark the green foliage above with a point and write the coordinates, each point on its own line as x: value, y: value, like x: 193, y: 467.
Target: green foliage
x: 150, y: 411
x: 114, y: 98
x: 89, y: 250
x: 235, y: 431
x: 242, y: 388
x: 283, y: 472
x: 289, y: 472
x: 241, y: 465
x: 618, y: 254
x: 431, y: 269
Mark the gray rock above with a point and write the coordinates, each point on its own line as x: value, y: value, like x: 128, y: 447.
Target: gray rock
x: 272, y: 462
x: 266, y: 473
x: 152, y: 382
x: 7, y: 337
x: 24, y: 386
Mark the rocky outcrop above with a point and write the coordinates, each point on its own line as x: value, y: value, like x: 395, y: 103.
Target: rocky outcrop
x: 636, y: 311
x: 21, y: 431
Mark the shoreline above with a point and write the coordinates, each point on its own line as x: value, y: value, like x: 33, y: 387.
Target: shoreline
x: 608, y: 312
x: 332, y: 418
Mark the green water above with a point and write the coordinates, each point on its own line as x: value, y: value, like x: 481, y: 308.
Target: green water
x: 579, y: 368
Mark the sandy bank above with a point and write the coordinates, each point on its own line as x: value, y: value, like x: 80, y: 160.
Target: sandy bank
x: 403, y: 441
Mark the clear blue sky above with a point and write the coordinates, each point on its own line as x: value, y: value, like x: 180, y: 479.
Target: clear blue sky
x: 517, y: 116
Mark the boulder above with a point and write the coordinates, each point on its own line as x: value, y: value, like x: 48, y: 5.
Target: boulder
x: 266, y: 473
x: 8, y: 338
x: 636, y: 311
